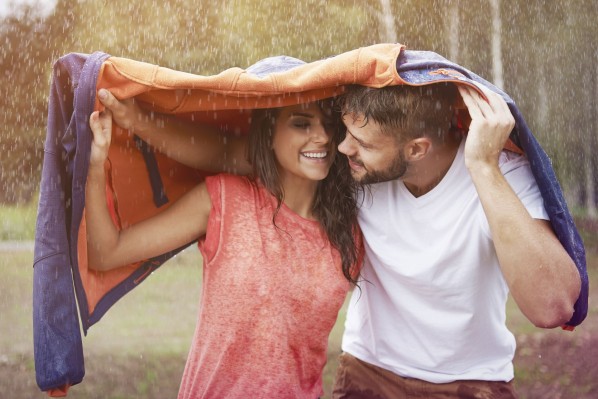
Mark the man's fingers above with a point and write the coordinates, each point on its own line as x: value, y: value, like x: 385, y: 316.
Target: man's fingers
x: 106, y: 118
x: 493, y: 113
x: 499, y: 108
x: 107, y: 98
x: 106, y: 122
x: 124, y: 111
x: 470, y: 102
x: 478, y: 106
x: 111, y: 102
x: 496, y: 101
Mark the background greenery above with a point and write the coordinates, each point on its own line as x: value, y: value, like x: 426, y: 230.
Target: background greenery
x: 547, y: 59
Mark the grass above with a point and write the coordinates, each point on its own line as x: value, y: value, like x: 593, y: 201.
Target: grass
x: 138, y: 349
x: 17, y: 222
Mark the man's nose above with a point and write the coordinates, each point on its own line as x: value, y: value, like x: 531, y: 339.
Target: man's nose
x: 346, y: 147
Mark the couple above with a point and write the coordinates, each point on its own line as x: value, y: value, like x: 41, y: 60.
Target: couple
x: 450, y: 225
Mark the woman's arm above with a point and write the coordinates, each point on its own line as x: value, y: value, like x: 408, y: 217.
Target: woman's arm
x: 107, y: 247
x: 197, y: 146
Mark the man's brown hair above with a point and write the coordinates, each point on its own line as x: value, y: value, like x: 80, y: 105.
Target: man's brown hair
x: 405, y: 111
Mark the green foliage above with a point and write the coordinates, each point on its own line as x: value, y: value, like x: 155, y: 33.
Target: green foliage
x: 17, y: 222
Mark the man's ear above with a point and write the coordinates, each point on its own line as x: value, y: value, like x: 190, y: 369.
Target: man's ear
x: 417, y: 149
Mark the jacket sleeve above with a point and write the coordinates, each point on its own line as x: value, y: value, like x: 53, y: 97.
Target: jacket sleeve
x: 58, y: 349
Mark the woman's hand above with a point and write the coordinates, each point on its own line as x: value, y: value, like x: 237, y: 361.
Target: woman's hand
x: 101, y: 127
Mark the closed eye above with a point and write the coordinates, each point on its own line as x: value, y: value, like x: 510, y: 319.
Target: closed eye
x: 302, y: 124
x: 361, y: 143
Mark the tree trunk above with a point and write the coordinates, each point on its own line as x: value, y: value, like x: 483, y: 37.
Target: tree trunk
x: 590, y: 180
x: 589, y: 150
x: 497, y: 69
x: 453, y: 23
x: 387, y: 20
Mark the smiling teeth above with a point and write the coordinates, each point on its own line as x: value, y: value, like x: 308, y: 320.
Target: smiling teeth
x: 315, y: 154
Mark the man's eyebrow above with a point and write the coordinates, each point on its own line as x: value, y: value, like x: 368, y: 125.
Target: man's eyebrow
x: 363, y: 143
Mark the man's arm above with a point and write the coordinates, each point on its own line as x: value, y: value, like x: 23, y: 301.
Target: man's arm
x: 198, y: 146
x: 541, y: 276
x: 107, y: 247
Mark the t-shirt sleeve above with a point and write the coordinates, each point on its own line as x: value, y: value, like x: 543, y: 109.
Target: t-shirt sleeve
x: 517, y: 171
x: 209, y: 244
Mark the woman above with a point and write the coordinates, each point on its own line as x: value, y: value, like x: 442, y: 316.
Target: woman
x: 278, y: 249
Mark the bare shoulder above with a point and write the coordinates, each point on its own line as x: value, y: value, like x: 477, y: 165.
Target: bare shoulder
x: 198, y: 198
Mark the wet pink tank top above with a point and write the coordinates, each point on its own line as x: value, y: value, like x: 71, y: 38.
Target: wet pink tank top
x: 270, y: 297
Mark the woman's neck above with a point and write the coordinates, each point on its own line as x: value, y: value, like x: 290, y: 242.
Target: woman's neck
x: 299, y: 196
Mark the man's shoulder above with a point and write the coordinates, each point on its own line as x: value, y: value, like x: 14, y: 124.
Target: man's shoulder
x: 509, y: 161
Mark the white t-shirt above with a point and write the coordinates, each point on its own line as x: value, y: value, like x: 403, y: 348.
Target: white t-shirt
x: 433, y: 303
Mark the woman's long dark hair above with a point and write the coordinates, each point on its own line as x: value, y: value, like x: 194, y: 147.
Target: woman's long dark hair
x: 334, y: 204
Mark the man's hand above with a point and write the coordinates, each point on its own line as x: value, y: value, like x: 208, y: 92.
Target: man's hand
x: 101, y: 127
x: 126, y: 113
x: 490, y: 127
x: 200, y: 146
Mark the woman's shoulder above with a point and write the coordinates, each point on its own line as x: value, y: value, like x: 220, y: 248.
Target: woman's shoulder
x: 230, y: 179
x: 234, y: 185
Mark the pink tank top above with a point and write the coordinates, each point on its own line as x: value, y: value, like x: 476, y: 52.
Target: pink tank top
x: 270, y: 297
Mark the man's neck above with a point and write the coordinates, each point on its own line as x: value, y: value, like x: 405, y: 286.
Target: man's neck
x: 423, y: 176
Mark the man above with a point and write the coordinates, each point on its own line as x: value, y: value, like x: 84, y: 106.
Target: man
x: 451, y: 225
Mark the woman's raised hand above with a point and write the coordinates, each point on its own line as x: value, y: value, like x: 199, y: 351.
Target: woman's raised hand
x: 101, y: 127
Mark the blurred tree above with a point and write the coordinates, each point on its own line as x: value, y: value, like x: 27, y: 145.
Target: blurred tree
x: 453, y: 23
x: 178, y: 34
x: 497, y: 69
x: 550, y: 59
x: 308, y: 30
x: 385, y: 20
x: 28, y: 47
x: 581, y: 18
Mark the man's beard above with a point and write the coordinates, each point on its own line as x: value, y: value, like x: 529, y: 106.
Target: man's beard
x: 395, y: 171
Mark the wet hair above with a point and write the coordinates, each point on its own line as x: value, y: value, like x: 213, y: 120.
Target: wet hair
x: 407, y: 112
x: 334, y: 204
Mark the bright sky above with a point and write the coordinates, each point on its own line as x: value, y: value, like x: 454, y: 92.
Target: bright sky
x: 45, y: 5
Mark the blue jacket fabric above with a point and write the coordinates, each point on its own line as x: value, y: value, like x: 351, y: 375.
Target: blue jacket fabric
x: 56, y: 334
x: 57, y: 289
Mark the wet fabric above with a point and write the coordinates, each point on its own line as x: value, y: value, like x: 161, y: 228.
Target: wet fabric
x: 63, y: 284
x: 431, y: 263
x: 270, y: 296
